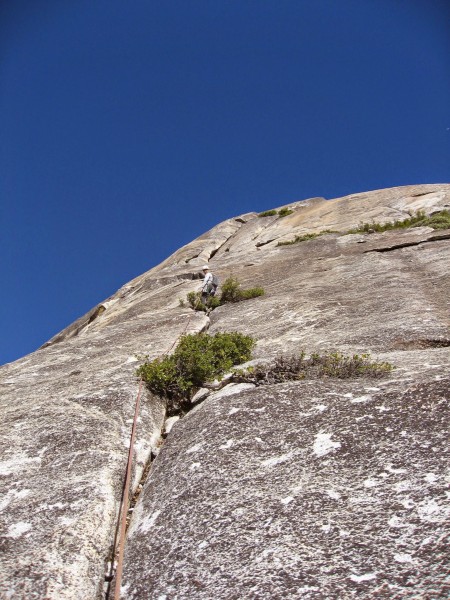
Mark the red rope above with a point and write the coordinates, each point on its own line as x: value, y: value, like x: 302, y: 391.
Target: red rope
x: 126, y: 500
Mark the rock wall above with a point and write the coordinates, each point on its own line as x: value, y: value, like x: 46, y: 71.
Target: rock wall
x: 309, y: 489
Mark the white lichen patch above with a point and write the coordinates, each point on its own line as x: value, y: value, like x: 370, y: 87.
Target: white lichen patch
x: 57, y: 505
x: 408, y: 503
x: 323, y: 444
x: 360, y: 399
x: 148, y: 522
x: 17, y: 529
x: 391, y: 469
x: 403, y: 558
x: 12, y: 495
x: 429, y: 510
x: 195, y: 448
x: 396, y: 522
x: 16, y: 464
x: 364, y: 577
x: 334, y: 495
x: 370, y: 483
x: 67, y: 521
x: 431, y: 478
x: 287, y: 500
x: 403, y: 486
x: 131, y: 359
x: 276, y: 460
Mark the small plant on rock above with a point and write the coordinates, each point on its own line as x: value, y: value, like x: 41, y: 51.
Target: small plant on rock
x: 231, y: 291
x: 330, y: 364
x: 198, y: 358
x: 438, y: 220
x: 305, y: 237
x: 284, y: 212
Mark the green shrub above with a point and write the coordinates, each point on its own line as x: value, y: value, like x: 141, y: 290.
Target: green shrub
x: 195, y: 300
x: 439, y: 220
x: 283, y: 212
x: 329, y: 364
x: 231, y: 291
x: 305, y: 237
x: 252, y: 293
x: 198, y: 358
x: 213, y: 302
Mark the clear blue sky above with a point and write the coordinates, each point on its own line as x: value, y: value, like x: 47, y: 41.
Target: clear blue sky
x: 129, y: 128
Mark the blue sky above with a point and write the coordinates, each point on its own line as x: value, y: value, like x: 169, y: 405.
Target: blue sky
x: 127, y: 129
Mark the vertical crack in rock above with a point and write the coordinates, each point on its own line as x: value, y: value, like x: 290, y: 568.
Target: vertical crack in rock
x: 111, y: 565
x: 111, y: 562
x: 229, y: 238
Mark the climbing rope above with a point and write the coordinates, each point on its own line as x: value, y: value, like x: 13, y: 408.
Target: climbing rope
x: 126, y: 500
x: 126, y: 496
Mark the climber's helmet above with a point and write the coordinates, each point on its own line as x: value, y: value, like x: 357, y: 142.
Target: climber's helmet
x: 205, y: 268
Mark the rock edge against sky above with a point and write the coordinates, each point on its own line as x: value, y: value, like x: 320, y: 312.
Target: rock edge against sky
x: 308, y: 489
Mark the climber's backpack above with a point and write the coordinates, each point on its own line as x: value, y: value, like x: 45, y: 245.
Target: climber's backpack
x: 215, y: 284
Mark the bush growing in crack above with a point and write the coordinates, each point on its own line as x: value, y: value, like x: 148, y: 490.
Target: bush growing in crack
x: 283, y: 212
x: 198, y: 358
x: 231, y: 291
x: 306, y: 237
x: 329, y: 364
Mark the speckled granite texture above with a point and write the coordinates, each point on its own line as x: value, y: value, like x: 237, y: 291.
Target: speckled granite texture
x: 313, y: 489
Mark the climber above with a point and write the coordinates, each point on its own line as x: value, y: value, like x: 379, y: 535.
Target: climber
x: 209, y: 284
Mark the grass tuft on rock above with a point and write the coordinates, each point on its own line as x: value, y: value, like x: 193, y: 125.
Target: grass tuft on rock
x: 305, y: 237
x: 283, y: 212
x: 198, y: 358
x: 438, y: 220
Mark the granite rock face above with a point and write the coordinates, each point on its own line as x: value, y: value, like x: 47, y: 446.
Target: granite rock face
x: 305, y: 490
x: 308, y: 489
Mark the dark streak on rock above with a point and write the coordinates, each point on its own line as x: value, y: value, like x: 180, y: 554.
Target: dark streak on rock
x: 421, y: 344
x: 259, y: 244
x: 434, y: 238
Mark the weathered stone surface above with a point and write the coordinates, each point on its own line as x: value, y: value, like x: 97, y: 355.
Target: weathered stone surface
x: 303, y: 490
x: 66, y: 415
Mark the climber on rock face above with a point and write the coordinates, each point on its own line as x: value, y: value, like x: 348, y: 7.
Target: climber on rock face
x: 208, y: 288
